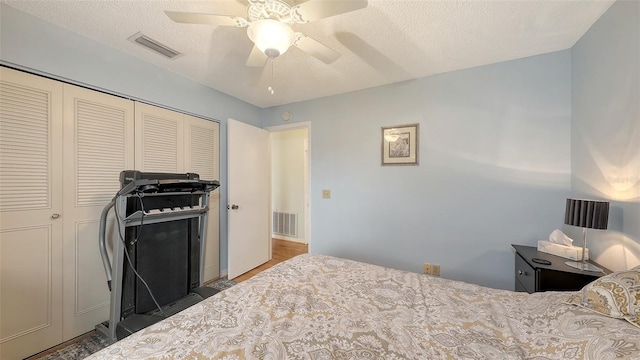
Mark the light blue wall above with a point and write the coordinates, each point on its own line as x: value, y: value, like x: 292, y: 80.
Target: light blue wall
x: 29, y: 43
x: 494, y: 168
x: 605, y: 131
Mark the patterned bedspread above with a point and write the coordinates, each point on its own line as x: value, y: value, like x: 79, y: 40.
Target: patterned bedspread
x: 321, y: 307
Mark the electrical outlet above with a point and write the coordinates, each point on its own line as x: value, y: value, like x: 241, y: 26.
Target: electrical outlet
x: 427, y: 268
x: 435, y: 270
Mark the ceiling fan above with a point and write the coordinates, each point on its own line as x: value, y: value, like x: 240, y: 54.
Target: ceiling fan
x: 269, y: 25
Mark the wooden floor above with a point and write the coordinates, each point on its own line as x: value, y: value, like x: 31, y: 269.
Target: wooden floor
x: 281, y: 251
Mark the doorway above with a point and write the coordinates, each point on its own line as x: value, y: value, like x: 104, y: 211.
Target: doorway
x: 290, y: 154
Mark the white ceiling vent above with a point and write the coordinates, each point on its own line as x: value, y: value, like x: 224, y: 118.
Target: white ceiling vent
x: 154, y: 45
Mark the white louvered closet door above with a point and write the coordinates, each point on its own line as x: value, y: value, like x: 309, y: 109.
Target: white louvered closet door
x: 202, y: 144
x: 159, y: 139
x: 30, y: 214
x: 98, y: 145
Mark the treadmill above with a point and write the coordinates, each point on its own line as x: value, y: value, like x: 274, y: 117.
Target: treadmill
x: 158, y: 250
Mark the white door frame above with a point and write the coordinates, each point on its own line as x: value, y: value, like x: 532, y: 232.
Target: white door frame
x: 307, y: 173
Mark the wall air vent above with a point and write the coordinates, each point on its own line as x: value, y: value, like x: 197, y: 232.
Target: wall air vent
x: 154, y: 45
x: 285, y: 224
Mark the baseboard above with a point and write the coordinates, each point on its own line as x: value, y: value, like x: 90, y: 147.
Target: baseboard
x: 211, y: 273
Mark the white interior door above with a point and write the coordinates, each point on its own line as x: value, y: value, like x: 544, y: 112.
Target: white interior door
x: 248, y: 195
x: 98, y: 131
x: 30, y: 214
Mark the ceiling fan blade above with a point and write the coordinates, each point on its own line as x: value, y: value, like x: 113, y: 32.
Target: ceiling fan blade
x: 319, y: 9
x: 206, y: 19
x: 315, y: 48
x: 257, y: 58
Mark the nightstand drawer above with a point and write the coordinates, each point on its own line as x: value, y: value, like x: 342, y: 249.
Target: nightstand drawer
x: 525, y: 275
x: 538, y: 271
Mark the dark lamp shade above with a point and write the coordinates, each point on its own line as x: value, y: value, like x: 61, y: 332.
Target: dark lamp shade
x: 591, y: 214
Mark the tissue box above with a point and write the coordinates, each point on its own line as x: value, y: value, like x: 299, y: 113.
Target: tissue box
x: 569, y: 252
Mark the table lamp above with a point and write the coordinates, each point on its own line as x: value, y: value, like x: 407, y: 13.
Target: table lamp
x: 587, y: 214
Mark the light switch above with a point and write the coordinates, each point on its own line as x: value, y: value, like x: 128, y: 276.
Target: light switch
x: 326, y: 194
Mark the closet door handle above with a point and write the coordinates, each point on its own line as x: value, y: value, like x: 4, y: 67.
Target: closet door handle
x: 234, y: 207
x: 55, y: 216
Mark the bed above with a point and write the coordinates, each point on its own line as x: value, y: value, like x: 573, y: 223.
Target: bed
x: 321, y: 307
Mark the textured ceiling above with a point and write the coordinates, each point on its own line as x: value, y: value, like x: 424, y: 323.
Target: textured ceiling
x: 386, y: 42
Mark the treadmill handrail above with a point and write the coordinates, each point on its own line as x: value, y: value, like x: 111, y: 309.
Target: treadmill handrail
x: 102, y: 243
x: 173, y: 193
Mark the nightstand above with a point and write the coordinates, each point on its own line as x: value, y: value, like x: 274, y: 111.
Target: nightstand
x: 558, y: 276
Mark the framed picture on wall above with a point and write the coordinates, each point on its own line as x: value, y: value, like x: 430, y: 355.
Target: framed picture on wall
x: 400, y: 145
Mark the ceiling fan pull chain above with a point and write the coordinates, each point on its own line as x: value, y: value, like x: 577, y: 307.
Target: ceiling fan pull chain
x: 270, y: 88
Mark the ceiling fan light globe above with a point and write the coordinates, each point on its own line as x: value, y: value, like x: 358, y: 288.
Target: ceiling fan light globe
x: 272, y: 37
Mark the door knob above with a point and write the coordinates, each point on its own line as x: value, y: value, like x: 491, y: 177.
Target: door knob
x: 55, y: 216
x: 233, y: 207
